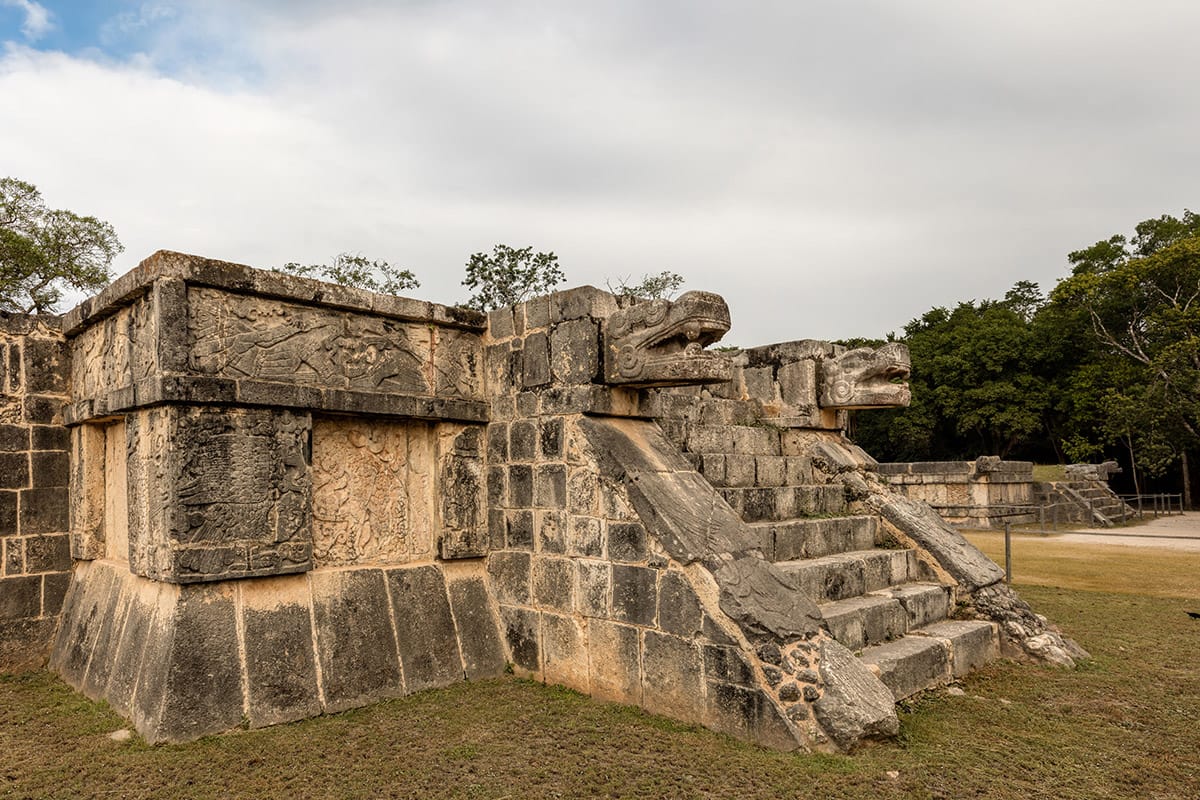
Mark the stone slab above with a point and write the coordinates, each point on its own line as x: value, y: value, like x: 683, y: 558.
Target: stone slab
x: 281, y: 669
x: 356, y: 645
x: 965, y: 562
x: 478, y: 628
x: 425, y: 631
x: 854, y: 704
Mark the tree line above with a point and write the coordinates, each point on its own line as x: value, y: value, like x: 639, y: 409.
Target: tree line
x: 1106, y: 365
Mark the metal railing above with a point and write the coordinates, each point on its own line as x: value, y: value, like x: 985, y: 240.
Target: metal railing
x: 1160, y: 504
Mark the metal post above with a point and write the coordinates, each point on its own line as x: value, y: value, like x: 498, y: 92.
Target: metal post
x: 1007, y: 552
x: 1042, y: 519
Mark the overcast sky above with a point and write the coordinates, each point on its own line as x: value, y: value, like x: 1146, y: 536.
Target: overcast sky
x: 834, y: 169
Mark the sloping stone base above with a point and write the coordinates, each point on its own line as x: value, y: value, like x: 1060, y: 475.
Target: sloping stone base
x: 185, y: 661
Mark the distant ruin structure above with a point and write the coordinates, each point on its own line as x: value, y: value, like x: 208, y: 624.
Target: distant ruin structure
x: 989, y: 492
x: 233, y: 495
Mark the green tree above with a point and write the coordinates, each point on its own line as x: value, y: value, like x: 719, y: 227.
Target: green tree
x: 661, y: 286
x: 1142, y: 300
x: 359, y: 271
x: 974, y: 384
x: 43, y: 251
x: 508, y: 276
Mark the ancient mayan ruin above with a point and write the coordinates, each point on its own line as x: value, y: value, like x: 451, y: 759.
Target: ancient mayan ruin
x: 232, y: 496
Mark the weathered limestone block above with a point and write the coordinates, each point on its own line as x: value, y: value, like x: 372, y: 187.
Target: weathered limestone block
x: 218, y: 493
x: 373, y: 493
x: 866, y: 378
x: 672, y: 676
x: 281, y: 667
x: 87, y: 488
x: 917, y: 521
x: 478, y: 629
x: 564, y: 650
x: 661, y: 343
x: 575, y: 351
x: 425, y: 631
x: 854, y: 705
x: 460, y: 485
x: 615, y: 666
x: 356, y: 643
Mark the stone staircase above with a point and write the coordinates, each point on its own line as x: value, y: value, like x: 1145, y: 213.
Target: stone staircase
x: 1086, y: 502
x: 879, y: 602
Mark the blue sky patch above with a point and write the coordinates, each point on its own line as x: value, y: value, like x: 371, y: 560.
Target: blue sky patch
x: 116, y: 29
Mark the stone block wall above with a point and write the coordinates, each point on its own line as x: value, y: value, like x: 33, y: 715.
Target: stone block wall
x: 784, y: 379
x: 982, y: 493
x: 33, y: 487
x: 599, y: 532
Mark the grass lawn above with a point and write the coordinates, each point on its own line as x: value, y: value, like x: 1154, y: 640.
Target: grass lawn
x: 1126, y: 725
x: 1048, y: 560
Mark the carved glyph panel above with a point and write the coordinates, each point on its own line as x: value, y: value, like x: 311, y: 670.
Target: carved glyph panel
x: 372, y: 492
x: 239, y: 336
x: 115, y: 352
x: 217, y: 493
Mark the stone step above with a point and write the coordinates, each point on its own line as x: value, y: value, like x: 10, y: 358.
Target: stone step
x: 933, y: 655
x: 866, y: 620
x: 923, y: 603
x: 813, y: 538
x: 973, y: 642
x: 742, y: 471
x: 779, y: 503
x: 879, y: 617
x: 854, y: 573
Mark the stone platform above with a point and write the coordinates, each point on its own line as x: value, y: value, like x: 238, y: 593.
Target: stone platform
x: 288, y: 498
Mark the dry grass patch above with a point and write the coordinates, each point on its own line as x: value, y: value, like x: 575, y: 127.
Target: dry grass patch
x: 1125, y: 725
x: 1049, y: 560
x: 1046, y: 473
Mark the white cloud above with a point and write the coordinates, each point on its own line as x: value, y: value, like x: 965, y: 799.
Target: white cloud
x: 38, y: 20
x: 834, y: 170
x: 131, y: 23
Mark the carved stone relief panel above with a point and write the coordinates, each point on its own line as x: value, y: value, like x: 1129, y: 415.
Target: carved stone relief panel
x: 372, y: 492
x: 115, y: 352
x: 217, y: 493
x: 461, y: 491
x: 458, y: 364
x: 240, y: 336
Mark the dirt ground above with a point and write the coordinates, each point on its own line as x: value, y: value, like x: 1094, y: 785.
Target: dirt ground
x: 1176, y: 532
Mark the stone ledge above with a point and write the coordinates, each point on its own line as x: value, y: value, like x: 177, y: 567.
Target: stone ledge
x: 225, y: 391
x: 197, y: 270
